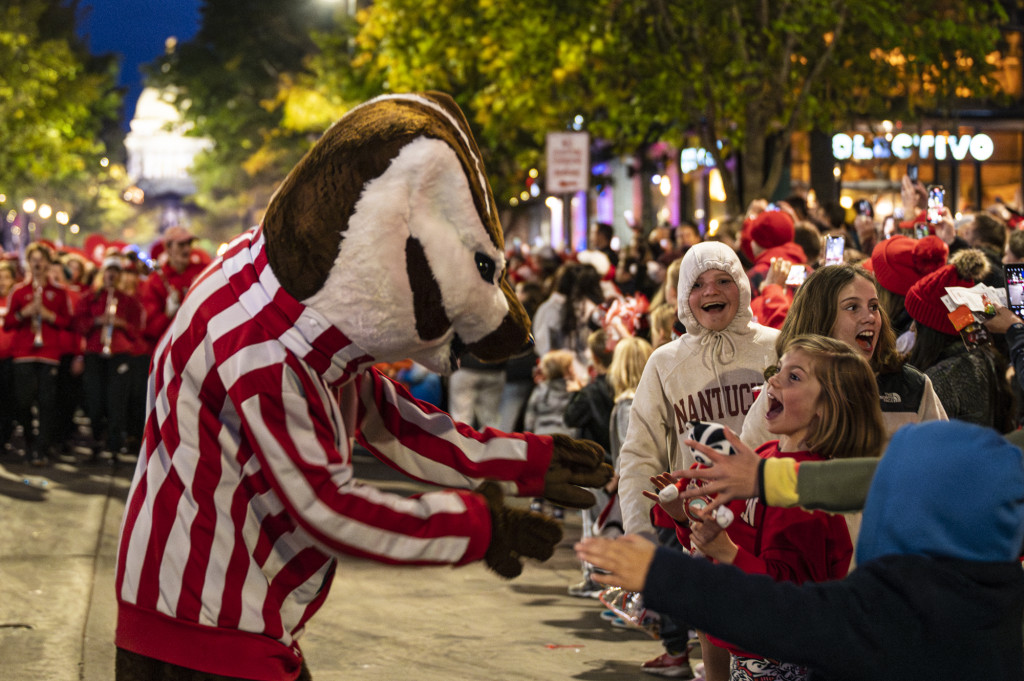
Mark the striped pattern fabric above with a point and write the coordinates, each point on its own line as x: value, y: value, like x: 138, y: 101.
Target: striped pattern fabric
x: 245, y: 493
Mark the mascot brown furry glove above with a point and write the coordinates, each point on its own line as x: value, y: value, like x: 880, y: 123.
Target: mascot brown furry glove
x: 516, y: 534
x: 575, y: 464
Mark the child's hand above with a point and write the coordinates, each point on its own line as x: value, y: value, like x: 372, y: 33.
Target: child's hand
x: 676, y: 508
x: 777, y: 273
x: 626, y: 560
x: 709, y: 538
x: 731, y: 477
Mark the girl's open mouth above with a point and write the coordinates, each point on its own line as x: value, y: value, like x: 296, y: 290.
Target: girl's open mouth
x: 774, y: 407
x: 866, y: 340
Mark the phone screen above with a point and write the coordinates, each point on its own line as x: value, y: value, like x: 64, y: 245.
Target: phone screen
x: 936, y: 198
x: 864, y: 207
x: 1015, y: 287
x: 912, y: 172
x: 797, y: 275
x: 889, y: 227
x: 834, y: 247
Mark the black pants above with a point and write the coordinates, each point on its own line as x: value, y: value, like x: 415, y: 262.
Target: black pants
x: 35, y: 383
x: 137, y: 397
x: 107, y: 382
x: 7, y: 398
x: 130, y: 666
x: 68, y: 399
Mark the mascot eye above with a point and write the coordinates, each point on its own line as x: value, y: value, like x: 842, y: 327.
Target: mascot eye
x: 485, y: 266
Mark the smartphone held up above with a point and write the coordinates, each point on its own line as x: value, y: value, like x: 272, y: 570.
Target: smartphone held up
x: 835, y: 246
x: 1015, y: 287
x: 936, y: 200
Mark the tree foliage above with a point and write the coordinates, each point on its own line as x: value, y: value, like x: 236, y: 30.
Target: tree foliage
x: 739, y: 72
x: 56, y: 102
x: 737, y: 77
x: 233, y: 81
x: 747, y: 73
x: 517, y: 69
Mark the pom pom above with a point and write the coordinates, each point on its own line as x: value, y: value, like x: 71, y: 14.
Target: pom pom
x: 930, y: 254
x: 970, y: 263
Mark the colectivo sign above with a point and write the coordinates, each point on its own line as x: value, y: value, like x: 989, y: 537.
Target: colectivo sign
x: 978, y: 147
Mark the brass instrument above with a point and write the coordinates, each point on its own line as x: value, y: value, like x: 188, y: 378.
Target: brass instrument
x: 37, y: 318
x: 108, y: 328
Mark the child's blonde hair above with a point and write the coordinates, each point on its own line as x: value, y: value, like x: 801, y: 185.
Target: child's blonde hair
x: 851, y: 422
x: 628, y: 362
x: 663, y: 319
x: 597, y: 343
x: 556, y: 364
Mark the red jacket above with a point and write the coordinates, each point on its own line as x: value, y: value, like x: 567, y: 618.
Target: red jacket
x: 124, y: 337
x: 55, y: 299
x: 162, y: 283
x: 790, y: 251
x: 791, y: 544
x: 771, y: 307
x: 6, y: 337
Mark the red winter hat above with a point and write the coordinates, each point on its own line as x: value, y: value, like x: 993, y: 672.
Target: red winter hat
x: 924, y: 299
x: 772, y: 228
x: 899, y: 261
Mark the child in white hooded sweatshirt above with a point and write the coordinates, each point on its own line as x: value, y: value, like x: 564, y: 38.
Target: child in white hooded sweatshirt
x: 711, y: 373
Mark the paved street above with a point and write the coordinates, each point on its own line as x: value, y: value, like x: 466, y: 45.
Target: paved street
x: 57, y: 546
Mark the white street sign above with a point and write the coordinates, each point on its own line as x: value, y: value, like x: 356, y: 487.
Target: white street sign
x: 568, y: 156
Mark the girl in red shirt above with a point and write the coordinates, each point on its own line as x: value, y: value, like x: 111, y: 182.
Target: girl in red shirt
x: 823, y: 404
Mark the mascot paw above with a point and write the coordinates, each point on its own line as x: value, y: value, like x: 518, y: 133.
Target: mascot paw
x: 575, y: 464
x: 516, y: 534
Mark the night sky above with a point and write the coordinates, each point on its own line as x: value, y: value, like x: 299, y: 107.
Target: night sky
x: 136, y: 30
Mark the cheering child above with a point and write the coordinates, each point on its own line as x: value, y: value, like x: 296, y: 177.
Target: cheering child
x: 822, y: 404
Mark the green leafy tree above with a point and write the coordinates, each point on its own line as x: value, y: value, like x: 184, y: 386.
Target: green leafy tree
x: 56, y: 104
x: 233, y: 80
x: 516, y: 69
x: 747, y: 74
x: 751, y: 74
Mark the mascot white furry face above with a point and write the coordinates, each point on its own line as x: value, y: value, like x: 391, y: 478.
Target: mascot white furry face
x: 413, y: 264
x: 382, y: 244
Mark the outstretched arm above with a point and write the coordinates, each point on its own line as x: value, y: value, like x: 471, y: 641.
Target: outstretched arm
x: 625, y: 560
x: 837, y: 486
x: 426, y: 443
x: 730, y: 477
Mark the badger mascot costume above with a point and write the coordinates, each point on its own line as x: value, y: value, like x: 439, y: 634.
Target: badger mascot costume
x: 382, y: 244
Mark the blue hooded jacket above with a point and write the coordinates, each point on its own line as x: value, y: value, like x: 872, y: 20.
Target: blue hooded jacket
x: 938, y: 580
x: 975, y: 514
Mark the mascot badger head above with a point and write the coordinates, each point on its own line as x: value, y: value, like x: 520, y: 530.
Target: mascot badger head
x: 388, y: 228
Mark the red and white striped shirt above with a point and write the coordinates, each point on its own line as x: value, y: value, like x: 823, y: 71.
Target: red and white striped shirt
x: 244, y: 492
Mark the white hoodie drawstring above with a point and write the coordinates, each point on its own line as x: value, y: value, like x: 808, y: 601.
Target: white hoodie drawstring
x: 719, y: 352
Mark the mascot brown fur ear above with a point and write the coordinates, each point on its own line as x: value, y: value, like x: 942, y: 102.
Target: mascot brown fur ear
x: 307, y: 216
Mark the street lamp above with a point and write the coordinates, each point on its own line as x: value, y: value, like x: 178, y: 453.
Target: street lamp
x: 62, y: 219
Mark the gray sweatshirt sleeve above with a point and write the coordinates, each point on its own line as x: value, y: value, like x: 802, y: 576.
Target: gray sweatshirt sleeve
x: 645, y: 452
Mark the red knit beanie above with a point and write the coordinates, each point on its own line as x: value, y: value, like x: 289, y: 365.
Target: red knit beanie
x: 899, y: 261
x: 924, y: 299
x: 772, y: 228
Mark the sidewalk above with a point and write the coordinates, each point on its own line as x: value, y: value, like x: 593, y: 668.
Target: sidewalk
x: 57, y: 545
x: 57, y: 611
